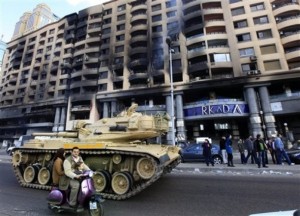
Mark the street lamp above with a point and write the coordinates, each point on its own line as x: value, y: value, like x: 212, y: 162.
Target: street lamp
x: 169, y: 42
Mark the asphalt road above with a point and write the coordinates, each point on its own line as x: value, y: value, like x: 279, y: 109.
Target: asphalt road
x: 176, y: 194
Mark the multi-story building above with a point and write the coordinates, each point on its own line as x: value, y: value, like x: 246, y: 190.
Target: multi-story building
x: 235, y: 67
x: 30, y: 21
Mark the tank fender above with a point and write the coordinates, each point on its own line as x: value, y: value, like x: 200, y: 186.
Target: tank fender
x: 164, y: 158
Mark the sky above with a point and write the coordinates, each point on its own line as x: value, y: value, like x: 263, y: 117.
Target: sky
x: 12, y: 10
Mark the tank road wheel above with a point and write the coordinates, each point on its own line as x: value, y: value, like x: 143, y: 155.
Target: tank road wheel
x: 44, y: 176
x: 117, y: 159
x: 120, y: 183
x: 101, y: 180
x: 30, y: 173
x: 145, y: 168
x: 16, y: 158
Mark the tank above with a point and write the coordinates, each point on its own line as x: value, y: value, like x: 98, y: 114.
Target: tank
x: 116, y: 149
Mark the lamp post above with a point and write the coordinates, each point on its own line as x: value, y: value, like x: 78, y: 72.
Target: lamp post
x: 169, y: 42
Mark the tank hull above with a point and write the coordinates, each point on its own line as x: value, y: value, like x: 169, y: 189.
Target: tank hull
x: 138, y: 165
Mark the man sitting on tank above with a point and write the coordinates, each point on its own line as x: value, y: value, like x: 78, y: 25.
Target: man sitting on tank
x: 71, y: 171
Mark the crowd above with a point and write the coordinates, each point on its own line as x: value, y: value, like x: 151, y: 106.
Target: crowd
x: 257, y: 150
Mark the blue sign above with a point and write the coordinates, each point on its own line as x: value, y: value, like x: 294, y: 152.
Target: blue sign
x: 216, y: 109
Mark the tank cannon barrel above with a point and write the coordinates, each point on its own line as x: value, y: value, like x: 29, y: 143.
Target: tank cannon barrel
x: 58, y: 134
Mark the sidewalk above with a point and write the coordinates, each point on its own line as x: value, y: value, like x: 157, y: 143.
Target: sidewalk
x: 239, y: 168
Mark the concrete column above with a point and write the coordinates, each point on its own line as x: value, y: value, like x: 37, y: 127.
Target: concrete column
x: 62, y: 119
x: 113, y: 108
x: 168, y: 105
x: 105, y: 110
x: 269, y: 119
x: 255, y: 120
x: 179, y: 118
x: 56, y: 119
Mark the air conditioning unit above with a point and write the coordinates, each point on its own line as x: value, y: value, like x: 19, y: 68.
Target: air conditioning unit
x: 253, y: 58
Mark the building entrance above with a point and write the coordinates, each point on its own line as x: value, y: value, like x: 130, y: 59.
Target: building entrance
x: 237, y: 127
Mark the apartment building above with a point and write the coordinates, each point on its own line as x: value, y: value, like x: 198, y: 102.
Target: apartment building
x: 235, y: 68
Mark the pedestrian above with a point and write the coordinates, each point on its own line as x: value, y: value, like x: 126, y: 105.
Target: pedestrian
x: 223, y: 149
x: 207, y: 152
x: 228, y: 144
x: 58, y: 170
x: 249, y: 148
x: 280, y: 150
x: 260, y: 147
x: 272, y: 150
x: 242, y: 151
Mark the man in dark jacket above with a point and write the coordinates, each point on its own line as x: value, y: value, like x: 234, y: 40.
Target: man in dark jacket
x: 261, y: 149
x: 223, y: 149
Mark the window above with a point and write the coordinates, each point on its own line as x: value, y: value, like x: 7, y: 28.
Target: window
x: 103, y: 75
x: 107, y: 21
x: 248, y: 67
x: 156, y: 7
x: 119, y: 60
x: 170, y: 4
x: 47, y: 57
x: 119, y: 49
x: 246, y: 52
x: 121, y: 7
x: 120, y: 37
x: 107, y: 12
x: 103, y: 87
x: 240, y: 24
x: 237, y: 11
x: 106, y: 40
x: 50, y: 39
x: 243, y: 37
x: 222, y: 57
x: 260, y: 20
x: 51, y: 31
x: 172, y: 25
x: 257, y: 7
x: 268, y: 49
x: 234, y: 1
x: 48, y: 48
x: 171, y: 14
x: 106, y: 31
x: 121, y: 17
x: 156, y: 18
x: 157, y: 28
x: 176, y: 63
x: 272, y: 65
x: 264, y: 34
x: 120, y: 27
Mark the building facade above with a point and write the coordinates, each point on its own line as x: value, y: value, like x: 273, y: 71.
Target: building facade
x: 235, y: 68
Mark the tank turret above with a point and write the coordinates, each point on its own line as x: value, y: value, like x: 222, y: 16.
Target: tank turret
x: 114, y: 148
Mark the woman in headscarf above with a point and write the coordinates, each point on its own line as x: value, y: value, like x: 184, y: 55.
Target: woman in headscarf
x: 58, y: 170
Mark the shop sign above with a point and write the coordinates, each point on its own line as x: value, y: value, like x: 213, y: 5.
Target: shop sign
x: 216, y: 109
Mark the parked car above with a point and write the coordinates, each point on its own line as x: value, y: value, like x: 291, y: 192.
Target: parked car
x: 294, y: 155
x: 194, y: 153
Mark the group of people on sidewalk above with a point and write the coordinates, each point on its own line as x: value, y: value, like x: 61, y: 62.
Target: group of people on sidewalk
x: 257, y: 150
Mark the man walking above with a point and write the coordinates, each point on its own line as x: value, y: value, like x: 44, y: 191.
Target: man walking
x: 223, y: 149
x: 280, y: 150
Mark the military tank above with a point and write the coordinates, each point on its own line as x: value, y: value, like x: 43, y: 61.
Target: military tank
x: 114, y: 148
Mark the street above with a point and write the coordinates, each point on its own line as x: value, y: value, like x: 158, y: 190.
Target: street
x: 176, y: 194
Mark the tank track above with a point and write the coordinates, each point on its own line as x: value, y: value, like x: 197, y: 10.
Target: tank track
x: 134, y: 190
